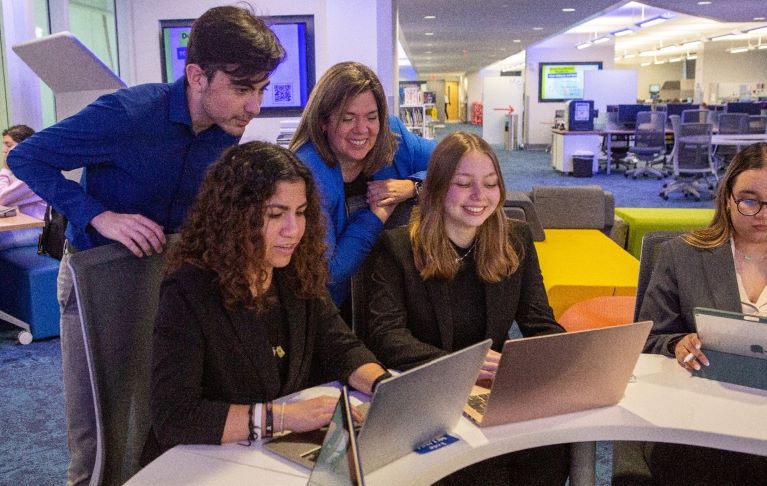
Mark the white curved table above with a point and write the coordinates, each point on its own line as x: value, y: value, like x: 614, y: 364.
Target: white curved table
x: 664, y: 404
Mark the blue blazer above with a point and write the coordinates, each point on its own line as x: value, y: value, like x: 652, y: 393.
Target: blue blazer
x: 350, y: 238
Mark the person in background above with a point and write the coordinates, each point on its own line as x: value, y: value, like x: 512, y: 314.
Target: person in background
x: 244, y: 314
x: 722, y: 266
x: 366, y: 163
x: 459, y: 273
x: 14, y: 192
x: 144, y: 151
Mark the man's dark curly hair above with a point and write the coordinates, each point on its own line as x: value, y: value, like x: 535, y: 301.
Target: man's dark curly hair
x: 222, y: 232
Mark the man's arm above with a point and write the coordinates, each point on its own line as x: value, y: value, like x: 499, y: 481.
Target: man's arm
x: 88, y: 138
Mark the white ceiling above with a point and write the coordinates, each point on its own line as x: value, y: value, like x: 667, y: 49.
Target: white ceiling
x: 470, y: 35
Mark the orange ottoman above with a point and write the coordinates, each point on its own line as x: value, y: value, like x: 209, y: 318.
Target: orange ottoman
x: 604, y: 311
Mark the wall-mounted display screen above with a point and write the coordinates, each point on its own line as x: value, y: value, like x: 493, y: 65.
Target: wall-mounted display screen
x: 291, y: 82
x: 562, y: 81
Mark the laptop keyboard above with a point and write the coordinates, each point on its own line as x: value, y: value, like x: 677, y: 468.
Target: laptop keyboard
x: 478, y: 402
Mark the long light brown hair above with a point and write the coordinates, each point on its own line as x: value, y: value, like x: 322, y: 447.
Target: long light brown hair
x: 222, y: 232
x: 434, y: 255
x: 332, y: 94
x: 720, y: 230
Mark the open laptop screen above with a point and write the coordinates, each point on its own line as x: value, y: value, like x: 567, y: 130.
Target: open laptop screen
x: 338, y: 461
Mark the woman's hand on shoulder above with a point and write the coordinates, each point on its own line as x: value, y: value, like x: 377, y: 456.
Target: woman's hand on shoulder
x: 688, y: 353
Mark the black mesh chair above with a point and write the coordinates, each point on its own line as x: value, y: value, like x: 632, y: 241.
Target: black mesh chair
x: 117, y: 295
x: 649, y: 145
x: 629, y: 464
x: 757, y: 124
x: 694, y: 168
x: 730, y: 124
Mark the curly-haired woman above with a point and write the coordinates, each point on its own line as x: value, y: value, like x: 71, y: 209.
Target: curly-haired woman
x: 244, y: 314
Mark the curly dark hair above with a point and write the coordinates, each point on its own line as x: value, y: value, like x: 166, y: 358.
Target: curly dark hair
x: 222, y: 232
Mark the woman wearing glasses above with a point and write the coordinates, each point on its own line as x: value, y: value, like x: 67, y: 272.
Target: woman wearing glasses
x: 723, y: 266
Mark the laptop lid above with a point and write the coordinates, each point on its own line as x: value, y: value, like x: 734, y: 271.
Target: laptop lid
x: 338, y: 461
x: 406, y: 411
x: 731, y: 332
x: 418, y: 405
x: 549, y: 375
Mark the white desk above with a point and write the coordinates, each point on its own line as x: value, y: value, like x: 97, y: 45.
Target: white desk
x: 738, y: 141
x: 665, y: 404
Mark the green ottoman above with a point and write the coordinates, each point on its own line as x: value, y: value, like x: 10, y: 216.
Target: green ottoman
x: 642, y: 220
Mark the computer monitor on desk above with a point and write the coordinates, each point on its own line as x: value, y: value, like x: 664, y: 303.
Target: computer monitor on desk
x: 678, y: 108
x: 627, y: 114
x: 747, y: 107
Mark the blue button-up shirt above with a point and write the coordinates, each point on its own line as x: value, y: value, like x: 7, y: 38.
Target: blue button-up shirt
x: 139, y: 154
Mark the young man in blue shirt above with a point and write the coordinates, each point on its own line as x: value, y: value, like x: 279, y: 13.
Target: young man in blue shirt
x: 144, y: 151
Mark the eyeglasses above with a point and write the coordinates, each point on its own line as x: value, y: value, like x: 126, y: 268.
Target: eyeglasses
x: 749, y: 207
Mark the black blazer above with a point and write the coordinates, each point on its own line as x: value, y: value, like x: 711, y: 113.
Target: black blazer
x: 686, y: 277
x: 206, y: 357
x: 410, y: 320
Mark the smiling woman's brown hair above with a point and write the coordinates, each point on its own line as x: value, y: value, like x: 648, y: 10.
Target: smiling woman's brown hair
x: 222, y: 232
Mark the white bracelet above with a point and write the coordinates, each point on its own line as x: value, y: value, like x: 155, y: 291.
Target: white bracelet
x: 257, y: 420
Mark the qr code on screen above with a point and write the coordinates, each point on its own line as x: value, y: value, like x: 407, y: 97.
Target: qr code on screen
x: 282, y: 93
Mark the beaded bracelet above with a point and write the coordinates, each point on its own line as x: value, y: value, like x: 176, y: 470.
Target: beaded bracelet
x: 269, y: 425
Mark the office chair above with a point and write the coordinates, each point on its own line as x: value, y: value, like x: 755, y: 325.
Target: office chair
x: 693, y: 163
x: 117, y: 295
x: 629, y: 464
x: 730, y: 124
x: 757, y: 124
x: 649, y: 144
x: 697, y: 116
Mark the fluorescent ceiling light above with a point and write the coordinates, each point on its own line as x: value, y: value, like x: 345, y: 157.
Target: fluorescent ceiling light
x: 756, y: 30
x: 568, y: 10
x: 758, y: 18
x: 675, y: 59
x: 622, y: 32
x: 537, y: 28
x: 651, y: 21
x: 738, y: 50
x: 652, y: 52
x: 763, y: 46
x: 516, y: 41
x: 429, y: 17
x: 428, y: 33
x: 583, y: 45
x: 646, y: 63
x: 687, y: 45
x: 629, y: 56
x: 704, y: 3
x: 668, y: 48
x: 692, y: 57
x: 600, y: 40
x: 660, y: 61
x: 717, y: 38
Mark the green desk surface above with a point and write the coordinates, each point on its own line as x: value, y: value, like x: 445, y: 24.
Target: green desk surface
x: 642, y: 220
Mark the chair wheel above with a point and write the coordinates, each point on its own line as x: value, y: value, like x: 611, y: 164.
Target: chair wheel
x: 25, y: 337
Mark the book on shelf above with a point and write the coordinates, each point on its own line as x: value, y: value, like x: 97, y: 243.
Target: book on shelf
x: 411, y: 95
x: 429, y: 97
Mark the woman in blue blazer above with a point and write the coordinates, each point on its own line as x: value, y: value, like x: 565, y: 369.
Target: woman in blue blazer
x: 365, y: 163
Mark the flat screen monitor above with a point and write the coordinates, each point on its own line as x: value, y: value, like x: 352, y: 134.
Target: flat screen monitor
x: 291, y: 82
x: 562, y: 81
x: 678, y: 108
x: 748, y: 108
x: 627, y: 114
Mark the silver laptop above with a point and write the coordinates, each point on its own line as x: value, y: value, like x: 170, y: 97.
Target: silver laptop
x: 406, y: 411
x: 732, y: 332
x: 559, y: 373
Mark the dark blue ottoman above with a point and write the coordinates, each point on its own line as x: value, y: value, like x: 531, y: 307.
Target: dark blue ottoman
x: 28, y: 289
